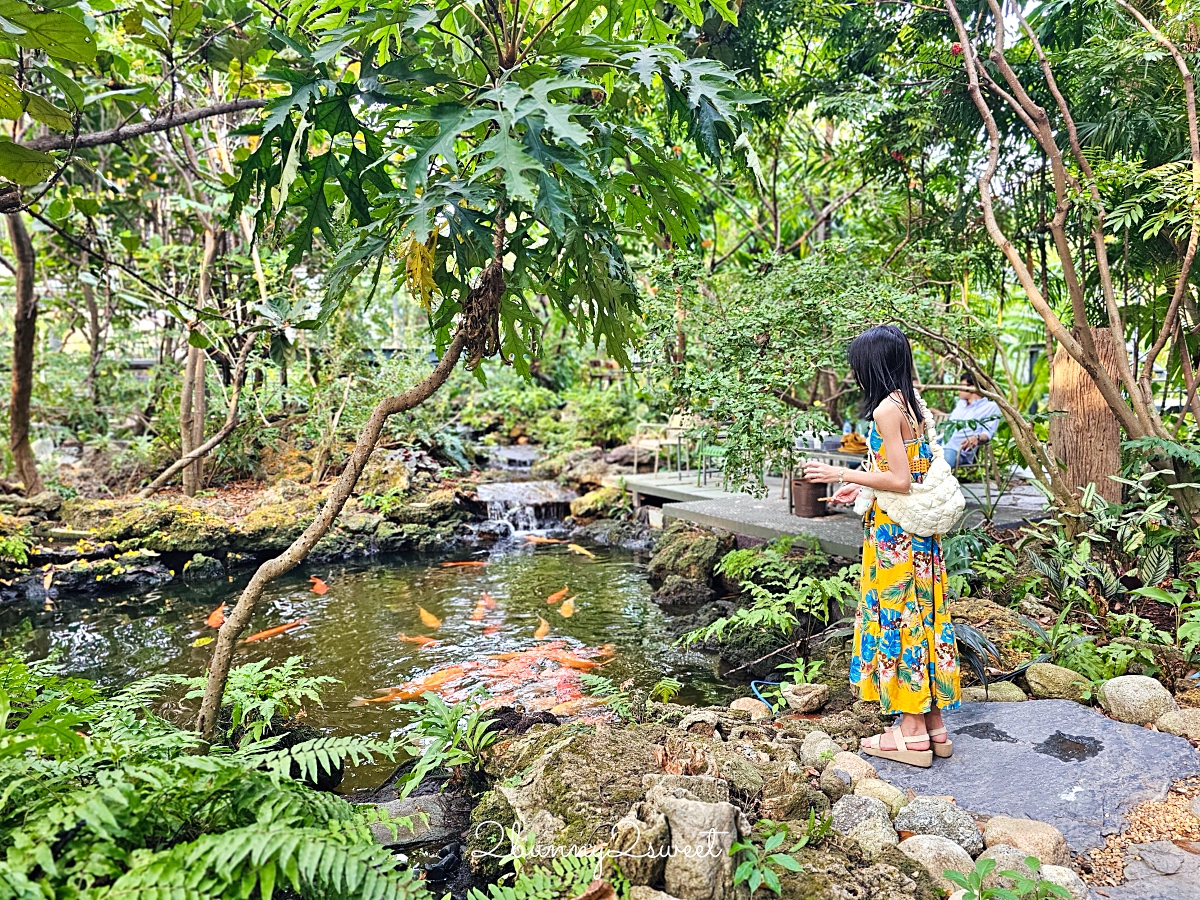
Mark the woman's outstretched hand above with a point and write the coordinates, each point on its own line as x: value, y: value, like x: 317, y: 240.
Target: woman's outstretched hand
x: 846, y: 494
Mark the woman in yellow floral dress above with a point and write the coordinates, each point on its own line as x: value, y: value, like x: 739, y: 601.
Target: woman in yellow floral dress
x: 905, y: 654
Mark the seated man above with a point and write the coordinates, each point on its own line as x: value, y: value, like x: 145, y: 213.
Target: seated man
x: 978, y: 419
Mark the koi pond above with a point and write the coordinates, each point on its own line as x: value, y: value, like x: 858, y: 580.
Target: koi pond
x: 501, y: 625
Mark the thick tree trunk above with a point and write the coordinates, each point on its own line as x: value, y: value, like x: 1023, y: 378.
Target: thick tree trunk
x: 339, y: 493
x: 24, y: 335
x: 1084, y: 433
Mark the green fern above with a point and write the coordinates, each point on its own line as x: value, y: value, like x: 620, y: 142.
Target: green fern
x: 564, y: 876
x: 99, y: 798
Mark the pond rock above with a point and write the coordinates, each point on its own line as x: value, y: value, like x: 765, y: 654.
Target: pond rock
x: 818, y: 750
x: 601, y: 503
x: 757, y: 709
x: 934, y: 816
x: 700, y: 866
x: 1007, y: 859
x: 873, y: 836
x: 203, y: 568
x: 640, y: 842
x: 805, y: 698
x: 885, y: 792
x: 433, y: 821
x: 683, y: 563
x: 1031, y: 837
x: 996, y: 692
x: 852, y: 809
x: 1181, y: 722
x: 1050, y: 682
x: 937, y: 854
x: 1136, y: 699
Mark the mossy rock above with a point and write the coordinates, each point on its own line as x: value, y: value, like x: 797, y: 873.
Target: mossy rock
x: 135, y: 568
x: 688, y: 553
x: 436, y: 507
x: 602, y: 503
x: 164, y: 526
x: 203, y: 568
x: 838, y: 871
x: 271, y: 527
x: 487, y: 838
x: 385, y: 471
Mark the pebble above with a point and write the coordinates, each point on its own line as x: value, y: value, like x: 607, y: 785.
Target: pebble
x: 934, y: 816
x: 1031, y: 837
x: 1169, y: 819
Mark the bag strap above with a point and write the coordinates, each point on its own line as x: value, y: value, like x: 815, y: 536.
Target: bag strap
x: 935, y: 446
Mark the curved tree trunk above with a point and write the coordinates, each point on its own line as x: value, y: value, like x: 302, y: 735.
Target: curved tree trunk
x: 1084, y: 432
x: 339, y: 493
x: 24, y: 336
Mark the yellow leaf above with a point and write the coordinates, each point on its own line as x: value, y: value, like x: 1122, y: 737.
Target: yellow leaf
x: 418, y: 267
x: 48, y: 579
x: 201, y: 641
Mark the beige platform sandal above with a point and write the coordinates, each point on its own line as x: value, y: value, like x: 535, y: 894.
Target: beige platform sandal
x: 944, y: 749
x: 922, y: 758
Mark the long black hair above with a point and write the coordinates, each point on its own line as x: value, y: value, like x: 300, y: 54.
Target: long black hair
x: 882, y: 362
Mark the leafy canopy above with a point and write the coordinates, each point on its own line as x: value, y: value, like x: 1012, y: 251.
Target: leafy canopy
x: 431, y: 130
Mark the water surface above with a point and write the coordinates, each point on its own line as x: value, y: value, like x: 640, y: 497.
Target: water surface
x: 352, y: 629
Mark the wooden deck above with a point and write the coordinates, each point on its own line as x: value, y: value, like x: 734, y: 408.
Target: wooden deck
x: 767, y: 517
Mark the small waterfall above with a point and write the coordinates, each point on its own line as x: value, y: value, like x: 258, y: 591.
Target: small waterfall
x: 526, y: 505
x: 518, y: 516
x: 515, y: 458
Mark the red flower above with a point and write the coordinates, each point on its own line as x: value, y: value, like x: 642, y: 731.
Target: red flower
x: 956, y: 48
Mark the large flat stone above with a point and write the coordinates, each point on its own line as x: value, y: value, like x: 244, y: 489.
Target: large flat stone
x: 1051, y: 760
x: 1158, y: 871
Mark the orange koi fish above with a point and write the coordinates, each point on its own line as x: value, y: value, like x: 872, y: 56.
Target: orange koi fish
x: 582, y: 551
x: 487, y: 600
x: 563, y: 658
x: 419, y: 639
x: 318, y: 586
x: 558, y: 595
x: 543, y: 629
x: 480, y: 611
x: 568, y: 608
x: 216, y: 618
x: 428, y: 619
x: 491, y: 629
x: 465, y: 564
x: 278, y: 629
x: 413, y: 689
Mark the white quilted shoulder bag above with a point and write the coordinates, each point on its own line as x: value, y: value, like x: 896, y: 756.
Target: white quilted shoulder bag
x: 932, y: 506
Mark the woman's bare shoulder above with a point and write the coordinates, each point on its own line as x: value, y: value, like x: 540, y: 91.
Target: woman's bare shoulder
x: 887, y: 413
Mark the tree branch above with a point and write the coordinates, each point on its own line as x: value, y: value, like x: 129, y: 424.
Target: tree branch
x: 125, y: 132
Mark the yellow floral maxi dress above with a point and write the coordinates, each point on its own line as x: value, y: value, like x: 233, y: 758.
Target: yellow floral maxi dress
x: 905, y: 655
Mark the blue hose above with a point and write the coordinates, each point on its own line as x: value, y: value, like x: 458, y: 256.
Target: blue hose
x: 754, y: 688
